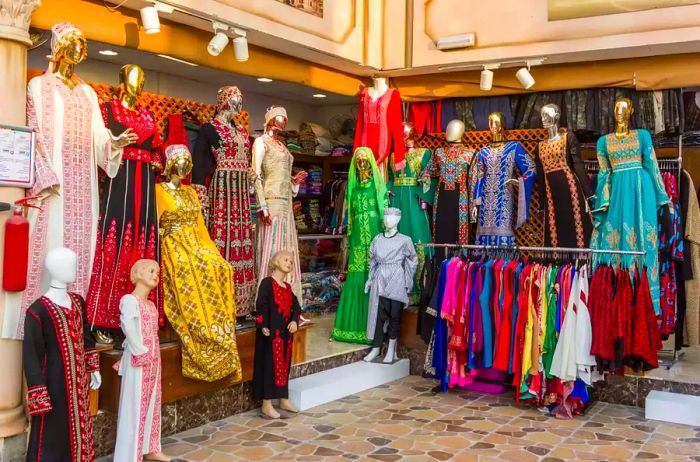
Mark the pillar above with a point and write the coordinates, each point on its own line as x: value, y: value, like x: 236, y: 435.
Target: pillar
x: 14, y: 42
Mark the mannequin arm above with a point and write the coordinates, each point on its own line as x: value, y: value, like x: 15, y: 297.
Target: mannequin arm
x: 410, y: 264
x: 130, y: 321
x: 45, y: 176
x: 92, y: 358
x: 33, y: 357
x: 372, y: 264
x: 105, y: 150
x: 259, y: 151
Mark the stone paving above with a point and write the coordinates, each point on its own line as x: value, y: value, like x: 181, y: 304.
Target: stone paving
x: 406, y: 421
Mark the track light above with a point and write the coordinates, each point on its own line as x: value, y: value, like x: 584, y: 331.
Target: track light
x: 240, y: 45
x: 524, y: 77
x: 219, y: 41
x: 486, y: 81
x: 150, y: 19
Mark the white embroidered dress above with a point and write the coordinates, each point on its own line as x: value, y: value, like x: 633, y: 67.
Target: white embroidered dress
x: 71, y: 143
x: 138, y: 424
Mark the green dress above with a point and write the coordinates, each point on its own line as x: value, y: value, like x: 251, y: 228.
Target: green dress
x: 406, y: 194
x: 366, y: 203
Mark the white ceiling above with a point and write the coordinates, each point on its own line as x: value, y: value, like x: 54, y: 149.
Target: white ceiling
x: 277, y: 89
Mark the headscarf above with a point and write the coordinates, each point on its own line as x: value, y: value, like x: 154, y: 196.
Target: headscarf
x: 377, y: 178
x: 173, y: 153
x: 273, y: 112
x: 224, y: 96
x: 59, y: 32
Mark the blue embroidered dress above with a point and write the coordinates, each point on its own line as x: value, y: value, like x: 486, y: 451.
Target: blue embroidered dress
x: 628, y: 194
x: 495, y: 198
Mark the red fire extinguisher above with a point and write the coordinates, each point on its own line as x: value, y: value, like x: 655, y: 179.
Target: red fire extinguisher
x: 16, y: 257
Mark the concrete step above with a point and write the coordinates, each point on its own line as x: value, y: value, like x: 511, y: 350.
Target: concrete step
x: 673, y: 407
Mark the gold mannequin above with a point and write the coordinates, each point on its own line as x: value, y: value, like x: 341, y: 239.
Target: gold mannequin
x: 497, y: 127
x: 131, y: 80
x: 364, y: 167
x: 409, y: 135
x: 179, y: 168
x: 623, y: 112
x: 71, y: 50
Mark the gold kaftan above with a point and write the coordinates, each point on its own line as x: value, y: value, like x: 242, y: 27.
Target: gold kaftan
x: 198, y: 288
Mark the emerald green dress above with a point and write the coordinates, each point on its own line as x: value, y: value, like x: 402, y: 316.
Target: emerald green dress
x: 407, y: 194
x: 366, y: 203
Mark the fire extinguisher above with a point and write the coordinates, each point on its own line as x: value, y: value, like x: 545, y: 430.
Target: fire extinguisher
x: 16, y: 256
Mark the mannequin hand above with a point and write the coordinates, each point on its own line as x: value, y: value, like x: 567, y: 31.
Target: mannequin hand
x: 48, y: 192
x: 300, y: 177
x: 265, y: 216
x: 125, y: 139
x: 292, y: 327
x: 474, y: 214
x: 266, y: 331
x: 512, y: 182
x: 368, y: 285
x: 253, y: 177
x: 95, y: 380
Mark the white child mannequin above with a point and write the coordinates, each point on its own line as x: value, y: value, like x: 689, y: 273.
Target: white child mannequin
x: 62, y: 265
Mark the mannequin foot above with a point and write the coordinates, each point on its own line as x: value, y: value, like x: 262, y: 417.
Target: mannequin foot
x: 391, y: 355
x: 373, y: 353
x: 103, y: 338
x: 285, y: 405
x: 268, y: 410
x: 157, y: 456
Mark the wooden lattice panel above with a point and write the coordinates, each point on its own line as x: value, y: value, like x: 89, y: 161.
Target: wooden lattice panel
x: 532, y: 232
x: 163, y: 106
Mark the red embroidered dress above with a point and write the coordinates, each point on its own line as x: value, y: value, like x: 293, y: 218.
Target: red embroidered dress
x: 379, y: 125
x: 220, y: 173
x: 276, y: 306
x: 59, y: 355
x: 128, y: 229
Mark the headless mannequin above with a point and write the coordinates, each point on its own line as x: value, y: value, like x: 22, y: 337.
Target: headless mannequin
x: 379, y: 87
x: 61, y: 263
x: 282, y: 266
x: 391, y: 223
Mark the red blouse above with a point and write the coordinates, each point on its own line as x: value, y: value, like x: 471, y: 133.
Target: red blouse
x: 379, y: 123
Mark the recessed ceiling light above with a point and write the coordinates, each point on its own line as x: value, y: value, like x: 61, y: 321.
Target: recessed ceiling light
x: 178, y: 60
x: 319, y: 95
x: 108, y: 53
x: 264, y: 80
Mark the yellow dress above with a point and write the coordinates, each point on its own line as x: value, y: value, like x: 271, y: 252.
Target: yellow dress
x: 198, y: 288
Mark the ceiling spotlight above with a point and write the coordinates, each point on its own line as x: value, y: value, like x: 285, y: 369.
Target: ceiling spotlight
x: 108, y: 53
x: 240, y: 45
x: 319, y: 95
x: 486, y: 81
x: 150, y: 20
x: 524, y: 77
x: 264, y: 80
x: 220, y: 39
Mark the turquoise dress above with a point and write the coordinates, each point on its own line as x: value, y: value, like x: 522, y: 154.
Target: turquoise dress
x: 630, y: 190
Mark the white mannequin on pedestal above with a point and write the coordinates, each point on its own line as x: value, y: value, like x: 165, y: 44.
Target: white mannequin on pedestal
x: 61, y: 264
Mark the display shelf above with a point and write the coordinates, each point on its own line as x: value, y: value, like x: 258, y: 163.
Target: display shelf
x: 315, y: 236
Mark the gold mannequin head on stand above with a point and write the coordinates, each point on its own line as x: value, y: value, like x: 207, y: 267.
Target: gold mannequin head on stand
x: 131, y: 80
x: 409, y: 135
x: 497, y: 127
x: 623, y: 113
x: 364, y: 167
x: 68, y: 48
x: 178, y: 164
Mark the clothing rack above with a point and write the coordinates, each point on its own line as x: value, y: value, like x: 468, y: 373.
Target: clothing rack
x: 578, y: 250
x: 592, y: 165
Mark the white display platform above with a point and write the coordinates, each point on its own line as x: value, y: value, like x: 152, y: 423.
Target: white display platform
x: 324, y: 387
x: 673, y: 407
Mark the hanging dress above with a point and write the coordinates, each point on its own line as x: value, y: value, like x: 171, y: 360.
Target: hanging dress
x: 379, y: 126
x: 408, y: 196
x: 564, y: 187
x: 127, y: 229
x: 366, y: 202
x: 198, y: 288
x: 274, y: 191
x: 496, y: 199
x: 629, y: 192
x: 220, y: 165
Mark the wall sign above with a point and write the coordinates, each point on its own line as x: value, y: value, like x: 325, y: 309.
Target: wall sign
x: 16, y: 156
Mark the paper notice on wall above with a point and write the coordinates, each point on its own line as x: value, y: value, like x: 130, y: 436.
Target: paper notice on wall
x: 16, y: 156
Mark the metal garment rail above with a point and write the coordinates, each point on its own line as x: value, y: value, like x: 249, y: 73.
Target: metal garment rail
x: 534, y: 249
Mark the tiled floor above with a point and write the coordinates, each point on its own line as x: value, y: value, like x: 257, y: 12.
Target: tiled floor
x: 318, y: 345
x: 405, y: 421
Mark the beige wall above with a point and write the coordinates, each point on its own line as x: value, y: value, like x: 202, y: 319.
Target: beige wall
x: 508, y: 29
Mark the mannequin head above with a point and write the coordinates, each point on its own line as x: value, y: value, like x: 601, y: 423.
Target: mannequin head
x: 454, y: 131
x: 62, y: 264
x: 229, y: 101
x: 550, y: 114
x: 178, y: 162
x: 282, y: 261
x: 276, y: 118
x: 623, y: 110
x: 363, y: 165
x: 497, y: 123
x: 409, y: 132
x: 392, y: 217
x: 131, y: 80
x: 68, y: 45
x: 145, y: 272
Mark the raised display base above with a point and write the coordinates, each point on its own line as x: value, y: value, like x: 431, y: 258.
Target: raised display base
x: 673, y: 407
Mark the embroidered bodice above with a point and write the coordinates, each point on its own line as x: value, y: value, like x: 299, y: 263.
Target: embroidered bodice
x: 553, y: 155
x: 232, y: 152
x: 452, y: 166
x: 182, y: 210
x: 118, y: 118
x: 624, y: 153
x: 277, y: 170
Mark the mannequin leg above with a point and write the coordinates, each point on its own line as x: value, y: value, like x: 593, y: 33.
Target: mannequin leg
x: 286, y: 405
x: 157, y: 456
x: 382, y: 316
x: 268, y: 410
x: 395, y: 309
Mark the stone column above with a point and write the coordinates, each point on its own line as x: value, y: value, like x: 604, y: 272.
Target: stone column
x: 14, y: 41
